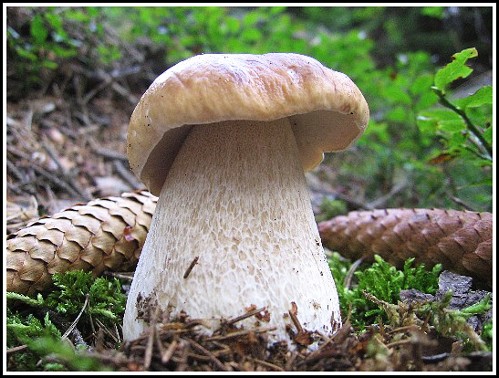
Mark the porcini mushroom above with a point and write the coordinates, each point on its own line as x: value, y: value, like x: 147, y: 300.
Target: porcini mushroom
x: 224, y: 140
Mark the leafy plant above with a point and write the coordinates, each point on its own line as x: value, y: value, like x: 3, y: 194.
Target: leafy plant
x: 464, y: 124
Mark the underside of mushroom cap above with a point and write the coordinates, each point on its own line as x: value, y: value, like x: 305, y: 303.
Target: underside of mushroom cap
x: 326, y: 109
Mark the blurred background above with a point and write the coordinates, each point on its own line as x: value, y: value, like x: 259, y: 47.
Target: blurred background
x: 75, y: 74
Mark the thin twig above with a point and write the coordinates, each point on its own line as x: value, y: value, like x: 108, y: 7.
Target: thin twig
x: 53, y: 155
x: 461, y: 203
x: 105, y: 329
x: 224, y: 349
x: 380, y: 202
x: 106, y: 152
x: 150, y: 339
x: 240, y: 333
x: 11, y: 168
x: 191, y: 266
x: 16, y: 349
x: 125, y: 93
x: 149, y: 346
x: 71, y: 189
x: 411, y: 327
x: 110, y: 80
x: 91, y: 94
x: 123, y: 276
x: 168, y: 353
x: 75, y: 322
x: 354, y: 204
x: 183, y: 360
x: 246, y: 315
x: 210, y: 355
x: 127, y: 175
x: 268, y: 364
x: 347, y: 282
x: 292, y: 313
x: 290, y: 362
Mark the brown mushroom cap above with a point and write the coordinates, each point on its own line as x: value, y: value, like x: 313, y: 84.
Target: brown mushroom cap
x: 326, y: 109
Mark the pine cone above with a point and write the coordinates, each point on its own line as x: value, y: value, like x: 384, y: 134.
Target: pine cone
x: 105, y: 233
x: 460, y: 240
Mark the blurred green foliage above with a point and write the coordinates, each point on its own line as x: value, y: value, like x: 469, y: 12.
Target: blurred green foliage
x: 56, y: 35
x: 391, y: 53
x: 329, y: 208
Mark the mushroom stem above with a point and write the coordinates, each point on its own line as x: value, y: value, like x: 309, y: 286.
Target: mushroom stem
x: 235, y: 201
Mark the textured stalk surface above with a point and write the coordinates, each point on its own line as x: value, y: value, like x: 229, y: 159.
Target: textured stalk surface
x: 102, y: 234
x: 460, y: 240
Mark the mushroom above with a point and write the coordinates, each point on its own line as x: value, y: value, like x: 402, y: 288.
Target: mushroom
x: 223, y: 140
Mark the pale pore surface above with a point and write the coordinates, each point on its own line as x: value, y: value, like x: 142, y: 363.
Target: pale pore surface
x: 236, y: 198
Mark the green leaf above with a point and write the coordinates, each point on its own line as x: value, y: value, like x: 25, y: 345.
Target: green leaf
x: 232, y: 25
x: 250, y: 19
x: 451, y: 126
x: 483, y: 96
x: 64, y: 53
x: 436, y: 12
x: 396, y: 94
x: 26, y: 53
x: 28, y: 328
x: 487, y: 134
x: 397, y: 114
x: 49, y: 64
x: 77, y: 15
x: 56, y: 22
x: 251, y: 35
x: 38, y: 30
x: 429, y: 121
x: 456, y: 69
x: 421, y: 84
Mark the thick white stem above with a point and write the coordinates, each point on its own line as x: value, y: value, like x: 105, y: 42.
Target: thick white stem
x: 236, y: 202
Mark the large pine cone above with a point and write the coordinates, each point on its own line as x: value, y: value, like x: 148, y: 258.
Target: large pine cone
x: 105, y: 233
x: 460, y: 240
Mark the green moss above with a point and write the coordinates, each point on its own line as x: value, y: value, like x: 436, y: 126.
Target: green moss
x: 78, y: 300
x: 374, y: 298
x: 381, y: 280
